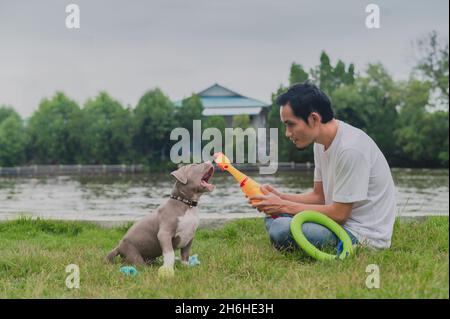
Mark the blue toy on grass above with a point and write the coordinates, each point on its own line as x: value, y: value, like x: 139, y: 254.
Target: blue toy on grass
x: 129, y: 270
x: 132, y: 271
x: 193, y: 260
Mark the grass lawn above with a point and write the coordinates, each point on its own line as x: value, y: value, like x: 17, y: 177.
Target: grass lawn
x: 237, y: 261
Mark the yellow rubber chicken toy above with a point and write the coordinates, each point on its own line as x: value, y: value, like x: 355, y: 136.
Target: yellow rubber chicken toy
x: 247, y: 184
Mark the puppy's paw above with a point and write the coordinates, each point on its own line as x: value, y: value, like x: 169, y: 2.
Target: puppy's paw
x: 166, y: 272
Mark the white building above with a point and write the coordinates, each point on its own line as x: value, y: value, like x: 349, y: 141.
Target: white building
x: 220, y: 101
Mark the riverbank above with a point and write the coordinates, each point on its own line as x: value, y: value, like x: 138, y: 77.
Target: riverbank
x: 207, y: 220
x: 237, y: 258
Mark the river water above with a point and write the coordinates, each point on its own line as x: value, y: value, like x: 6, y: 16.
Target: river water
x: 129, y: 197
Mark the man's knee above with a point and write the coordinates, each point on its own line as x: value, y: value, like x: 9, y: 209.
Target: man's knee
x: 280, y: 232
x: 268, y: 222
x: 318, y: 235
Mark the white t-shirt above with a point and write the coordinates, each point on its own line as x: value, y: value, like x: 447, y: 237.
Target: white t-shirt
x: 353, y: 170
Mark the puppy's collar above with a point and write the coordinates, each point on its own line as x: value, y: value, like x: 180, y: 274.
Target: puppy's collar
x: 190, y: 203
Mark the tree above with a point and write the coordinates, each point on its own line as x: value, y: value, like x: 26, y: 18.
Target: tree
x: 219, y: 123
x: 7, y: 111
x: 422, y: 135
x: 349, y: 105
x: 339, y: 74
x: 154, y: 119
x: 191, y: 109
x: 12, y: 139
x: 349, y: 77
x: 215, y: 121
x: 325, y: 73
x: 107, y: 131
x: 242, y: 121
x: 54, y: 131
x: 330, y: 78
x: 370, y: 104
x: 433, y: 65
x: 435, y: 130
x: 297, y: 74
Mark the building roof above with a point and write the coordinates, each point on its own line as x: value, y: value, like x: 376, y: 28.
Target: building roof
x: 218, y: 100
x: 232, y: 111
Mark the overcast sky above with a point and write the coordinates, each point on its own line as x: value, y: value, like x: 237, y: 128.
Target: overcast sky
x: 183, y: 46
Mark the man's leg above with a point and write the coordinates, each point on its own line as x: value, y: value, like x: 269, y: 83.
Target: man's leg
x: 268, y: 220
x: 280, y: 234
x: 319, y: 235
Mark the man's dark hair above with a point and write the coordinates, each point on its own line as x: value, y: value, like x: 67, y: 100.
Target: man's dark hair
x: 305, y: 98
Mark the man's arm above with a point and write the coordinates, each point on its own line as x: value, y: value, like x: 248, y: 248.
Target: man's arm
x: 271, y: 203
x: 339, y: 212
x: 315, y: 197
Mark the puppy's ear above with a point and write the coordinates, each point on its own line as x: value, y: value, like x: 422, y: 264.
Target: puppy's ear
x: 180, y: 175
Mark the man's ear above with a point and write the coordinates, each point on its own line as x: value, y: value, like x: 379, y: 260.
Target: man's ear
x: 315, y: 118
x: 180, y: 175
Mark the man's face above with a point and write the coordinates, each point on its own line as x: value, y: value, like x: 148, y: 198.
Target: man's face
x: 299, y: 132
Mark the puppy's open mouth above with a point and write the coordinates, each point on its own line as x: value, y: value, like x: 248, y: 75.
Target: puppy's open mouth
x: 205, y: 179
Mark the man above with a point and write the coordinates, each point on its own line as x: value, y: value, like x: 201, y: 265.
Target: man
x: 352, y: 181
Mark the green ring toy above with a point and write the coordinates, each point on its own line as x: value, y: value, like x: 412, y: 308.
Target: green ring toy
x: 318, y: 218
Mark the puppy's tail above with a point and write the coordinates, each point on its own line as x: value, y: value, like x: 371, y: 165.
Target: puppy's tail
x: 112, y: 254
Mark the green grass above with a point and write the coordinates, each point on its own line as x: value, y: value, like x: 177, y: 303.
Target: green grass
x: 237, y: 261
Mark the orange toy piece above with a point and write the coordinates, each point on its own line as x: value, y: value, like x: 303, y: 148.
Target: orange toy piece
x: 247, y: 184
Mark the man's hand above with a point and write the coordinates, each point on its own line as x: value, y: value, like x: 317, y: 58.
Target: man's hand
x: 267, y: 188
x: 270, y: 189
x: 269, y: 203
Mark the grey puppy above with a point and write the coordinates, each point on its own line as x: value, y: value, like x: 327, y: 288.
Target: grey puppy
x: 172, y: 225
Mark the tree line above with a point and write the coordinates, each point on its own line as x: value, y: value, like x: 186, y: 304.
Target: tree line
x: 407, y: 119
